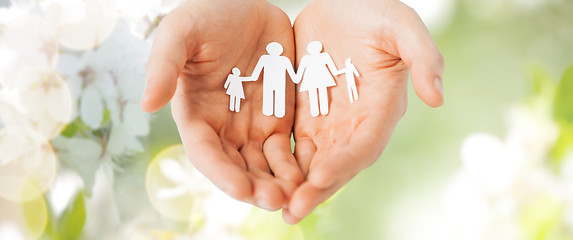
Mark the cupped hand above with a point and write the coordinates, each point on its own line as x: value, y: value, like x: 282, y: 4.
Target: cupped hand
x: 246, y: 154
x: 384, y: 39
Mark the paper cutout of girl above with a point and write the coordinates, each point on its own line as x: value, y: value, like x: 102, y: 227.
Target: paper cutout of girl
x: 234, y: 86
x: 315, y: 77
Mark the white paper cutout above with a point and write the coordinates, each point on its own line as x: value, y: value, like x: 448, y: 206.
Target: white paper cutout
x: 234, y: 86
x: 350, y: 70
x: 316, y: 68
x: 315, y: 77
x: 274, y: 79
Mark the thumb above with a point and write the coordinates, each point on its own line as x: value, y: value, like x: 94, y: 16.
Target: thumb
x: 167, y: 59
x: 420, y: 53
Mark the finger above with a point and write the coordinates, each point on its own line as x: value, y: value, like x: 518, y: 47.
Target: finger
x: 304, y: 150
x: 207, y: 155
x: 254, y: 157
x: 333, y: 168
x: 235, y: 156
x: 281, y: 160
x: 267, y: 194
x: 420, y: 53
x: 305, y: 199
x: 287, y: 187
x: 289, y: 218
x: 340, y: 163
x: 167, y: 59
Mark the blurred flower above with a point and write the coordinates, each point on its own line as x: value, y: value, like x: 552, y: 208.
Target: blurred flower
x: 506, y: 189
x: 11, y: 231
x: 27, y: 160
x: 106, y: 84
x: 23, y: 219
x: 66, y: 186
x: 144, y: 16
x: 102, y: 212
x: 35, y: 104
x: 10, y: 105
x: 262, y: 224
x: 187, y: 182
x: 35, y: 99
x: 82, y: 155
x: 180, y: 192
x: 32, y: 95
x: 112, y: 75
x: 146, y: 226
x: 80, y: 25
x: 489, y: 163
x: 436, y: 14
x: 25, y: 38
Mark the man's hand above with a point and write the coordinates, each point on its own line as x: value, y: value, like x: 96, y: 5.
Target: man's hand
x: 245, y: 154
x: 384, y: 39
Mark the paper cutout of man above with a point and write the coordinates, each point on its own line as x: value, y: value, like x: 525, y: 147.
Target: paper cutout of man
x: 274, y: 79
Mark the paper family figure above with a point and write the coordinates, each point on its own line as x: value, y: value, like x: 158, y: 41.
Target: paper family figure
x: 349, y: 71
x: 274, y: 79
x: 315, y: 71
x: 315, y: 77
x: 234, y: 86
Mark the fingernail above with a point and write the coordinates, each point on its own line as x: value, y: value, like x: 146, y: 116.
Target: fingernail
x: 438, y: 85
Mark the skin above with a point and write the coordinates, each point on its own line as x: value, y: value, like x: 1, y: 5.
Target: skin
x: 201, y: 41
x: 246, y: 154
x: 385, y: 39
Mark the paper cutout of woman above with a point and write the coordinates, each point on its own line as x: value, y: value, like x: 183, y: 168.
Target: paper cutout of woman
x: 315, y: 77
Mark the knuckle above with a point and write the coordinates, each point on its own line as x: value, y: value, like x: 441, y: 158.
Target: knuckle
x: 294, y: 176
x: 237, y: 192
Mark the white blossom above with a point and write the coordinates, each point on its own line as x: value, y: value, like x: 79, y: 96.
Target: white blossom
x: 26, y: 35
x: 102, y: 211
x: 80, y: 25
x: 144, y: 15
x: 32, y: 95
x: 501, y: 178
x: 66, y: 186
x: 111, y: 78
x: 179, y: 191
x: 83, y: 156
x: 9, y: 230
x: 28, y: 161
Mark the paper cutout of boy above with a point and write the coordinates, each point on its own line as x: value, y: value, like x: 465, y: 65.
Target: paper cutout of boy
x: 350, y: 71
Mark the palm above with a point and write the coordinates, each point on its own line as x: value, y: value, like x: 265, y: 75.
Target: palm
x: 332, y: 149
x: 239, y: 152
